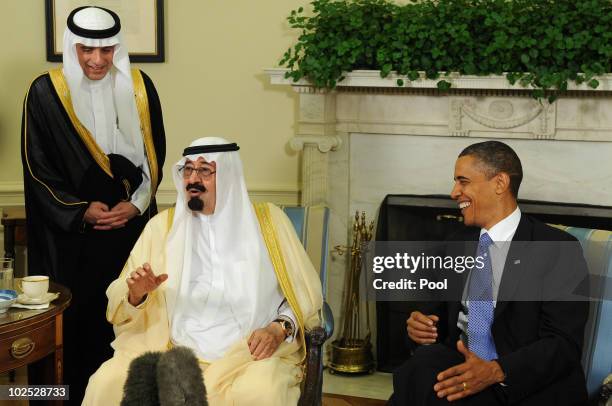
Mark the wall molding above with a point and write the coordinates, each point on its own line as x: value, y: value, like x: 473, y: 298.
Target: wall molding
x: 281, y: 195
x: 11, y: 194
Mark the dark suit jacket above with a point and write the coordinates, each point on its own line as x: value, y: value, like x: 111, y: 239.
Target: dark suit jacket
x: 538, y: 342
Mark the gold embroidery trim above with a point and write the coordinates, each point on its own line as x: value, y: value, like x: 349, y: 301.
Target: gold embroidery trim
x: 142, y: 104
x: 170, y: 219
x: 169, y: 222
x: 127, y: 187
x: 262, y: 210
x: 25, y: 149
x: 61, y: 87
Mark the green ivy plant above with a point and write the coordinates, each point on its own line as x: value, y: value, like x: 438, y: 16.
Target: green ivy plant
x: 540, y: 44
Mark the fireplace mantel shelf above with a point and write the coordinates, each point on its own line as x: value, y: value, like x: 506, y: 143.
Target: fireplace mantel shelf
x: 372, y: 79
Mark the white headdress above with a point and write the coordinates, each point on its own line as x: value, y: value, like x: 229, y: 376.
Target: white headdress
x: 99, y: 27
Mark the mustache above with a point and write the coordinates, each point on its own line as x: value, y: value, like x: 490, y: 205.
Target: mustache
x: 196, y: 186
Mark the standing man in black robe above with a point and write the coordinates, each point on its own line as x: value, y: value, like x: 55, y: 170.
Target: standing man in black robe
x: 93, y: 148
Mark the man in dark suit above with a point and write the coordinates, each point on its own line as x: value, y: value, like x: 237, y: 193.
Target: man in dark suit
x: 515, y: 337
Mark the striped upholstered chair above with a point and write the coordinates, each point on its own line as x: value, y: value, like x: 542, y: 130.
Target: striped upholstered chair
x: 311, y: 226
x: 597, y: 350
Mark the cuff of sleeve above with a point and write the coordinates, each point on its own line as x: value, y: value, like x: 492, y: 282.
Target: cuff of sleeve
x: 142, y: 196
x: 140, y: 204
x: 131, y: 310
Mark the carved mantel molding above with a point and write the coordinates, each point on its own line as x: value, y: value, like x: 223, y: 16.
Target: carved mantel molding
x: 524, y: 118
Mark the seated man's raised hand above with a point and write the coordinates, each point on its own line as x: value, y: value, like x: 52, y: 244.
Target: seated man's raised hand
x: 422, y: 328
x: 141, y: 282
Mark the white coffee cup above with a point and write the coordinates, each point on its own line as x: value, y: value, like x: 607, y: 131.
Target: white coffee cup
x: 35, y: 286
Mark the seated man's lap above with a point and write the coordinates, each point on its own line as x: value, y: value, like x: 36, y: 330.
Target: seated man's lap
x: 272, y: 381
x: 414, y: 380
x: 106, y: 384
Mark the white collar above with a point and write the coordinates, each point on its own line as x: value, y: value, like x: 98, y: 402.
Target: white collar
x: 504, y: 230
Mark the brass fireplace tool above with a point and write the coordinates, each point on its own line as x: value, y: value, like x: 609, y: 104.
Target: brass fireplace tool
x: 351, y: 353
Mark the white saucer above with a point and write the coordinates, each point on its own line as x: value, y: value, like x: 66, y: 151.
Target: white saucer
x: 48, y: 297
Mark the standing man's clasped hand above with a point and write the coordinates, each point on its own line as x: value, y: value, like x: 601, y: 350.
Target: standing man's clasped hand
x: 102, y: 217
x: 263, y: 342
x: 141, y: 282
x: 421, y: 328
x: 468, y: 378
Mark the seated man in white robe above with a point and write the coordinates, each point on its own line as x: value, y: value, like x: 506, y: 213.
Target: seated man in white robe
x: 225, y: 278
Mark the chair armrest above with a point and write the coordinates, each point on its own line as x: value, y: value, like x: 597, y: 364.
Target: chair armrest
x: 313, y: 384
x: 315, y: 337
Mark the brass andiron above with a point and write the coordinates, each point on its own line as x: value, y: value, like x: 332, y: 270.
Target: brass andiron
x: 351, y: 353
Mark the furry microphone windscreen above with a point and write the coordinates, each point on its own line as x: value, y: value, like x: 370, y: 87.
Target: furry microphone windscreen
x: 140, y: 387
x: 179, y: 379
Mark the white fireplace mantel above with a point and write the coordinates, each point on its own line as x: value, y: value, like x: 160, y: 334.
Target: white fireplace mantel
x: 476, y: 106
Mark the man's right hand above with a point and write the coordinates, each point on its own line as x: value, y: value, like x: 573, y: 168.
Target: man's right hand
x: 141, y: 282
x: 421, y: 328
x: 101, y: 217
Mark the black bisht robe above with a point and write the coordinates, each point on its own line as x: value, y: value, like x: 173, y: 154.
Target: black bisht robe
x: 61, y: 178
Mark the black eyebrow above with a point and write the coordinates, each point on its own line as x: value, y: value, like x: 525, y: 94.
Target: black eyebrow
x: 461, y: 178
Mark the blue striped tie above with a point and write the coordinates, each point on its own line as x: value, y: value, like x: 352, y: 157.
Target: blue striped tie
x: 480, y: 307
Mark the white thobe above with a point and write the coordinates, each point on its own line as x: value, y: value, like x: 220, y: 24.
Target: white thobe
x: 206, y: 322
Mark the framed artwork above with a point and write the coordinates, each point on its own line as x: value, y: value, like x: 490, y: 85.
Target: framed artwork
x: 142, y: 26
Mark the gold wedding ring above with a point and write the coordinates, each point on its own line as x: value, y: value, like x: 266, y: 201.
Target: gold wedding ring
x: 465, y: 386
